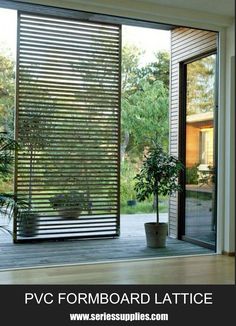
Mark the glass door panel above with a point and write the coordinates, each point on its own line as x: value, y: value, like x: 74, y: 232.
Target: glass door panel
x: 200, y: 224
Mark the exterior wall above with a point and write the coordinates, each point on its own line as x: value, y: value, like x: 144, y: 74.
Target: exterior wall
x: 185, y: 44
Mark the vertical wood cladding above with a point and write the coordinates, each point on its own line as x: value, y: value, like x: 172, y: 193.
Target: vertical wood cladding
x: 186, y: 43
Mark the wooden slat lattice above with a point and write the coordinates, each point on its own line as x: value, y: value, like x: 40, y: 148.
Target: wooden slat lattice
x: 67, y: 122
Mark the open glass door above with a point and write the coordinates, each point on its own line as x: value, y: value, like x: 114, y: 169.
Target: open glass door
x: 199, y: 223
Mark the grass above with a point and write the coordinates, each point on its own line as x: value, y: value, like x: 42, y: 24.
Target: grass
x: 6, y: 186
x: 143, y: 207
x: 140, y: 207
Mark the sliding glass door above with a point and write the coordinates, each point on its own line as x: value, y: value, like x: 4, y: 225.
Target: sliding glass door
x: 199, y: 223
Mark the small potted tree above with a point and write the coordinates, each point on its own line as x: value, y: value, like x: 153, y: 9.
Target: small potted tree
x: 158, y: 176
x: 31, y: 142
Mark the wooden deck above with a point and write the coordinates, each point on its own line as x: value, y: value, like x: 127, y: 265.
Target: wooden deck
x: 130, y: 246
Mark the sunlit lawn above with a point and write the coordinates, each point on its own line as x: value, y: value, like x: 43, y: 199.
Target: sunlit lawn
x: 144, y: 207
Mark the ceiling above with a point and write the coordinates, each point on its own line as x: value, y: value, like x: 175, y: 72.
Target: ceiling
x: 220, y: 7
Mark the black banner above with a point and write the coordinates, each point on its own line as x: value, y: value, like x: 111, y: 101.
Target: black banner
x: 117, y: 305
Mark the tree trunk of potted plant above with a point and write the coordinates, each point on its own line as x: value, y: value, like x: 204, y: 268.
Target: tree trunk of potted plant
x: 156, y: 233
x: 29, y: 220
x: 30, y: 138
x: 157, y: 203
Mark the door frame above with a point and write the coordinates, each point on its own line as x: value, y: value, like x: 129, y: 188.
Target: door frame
x: 182, y: 147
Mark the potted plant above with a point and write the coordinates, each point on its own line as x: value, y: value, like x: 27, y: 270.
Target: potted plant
x: 7, y: 147
x: 69, y: 204
x: 9, y: 205
x: 158, y: 176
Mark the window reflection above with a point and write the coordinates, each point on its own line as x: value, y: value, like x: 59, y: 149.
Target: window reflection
x: 206, y: 146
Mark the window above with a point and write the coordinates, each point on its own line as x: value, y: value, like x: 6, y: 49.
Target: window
x: 206, y: 146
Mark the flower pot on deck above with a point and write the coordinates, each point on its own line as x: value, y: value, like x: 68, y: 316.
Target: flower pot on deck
x: 69, y: 213
x: 28, y: 226
x: 156, y: 234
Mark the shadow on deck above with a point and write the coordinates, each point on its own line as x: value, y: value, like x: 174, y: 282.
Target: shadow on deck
x: 130, y: 245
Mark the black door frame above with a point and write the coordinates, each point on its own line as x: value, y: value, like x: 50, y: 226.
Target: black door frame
x: 182, y: 147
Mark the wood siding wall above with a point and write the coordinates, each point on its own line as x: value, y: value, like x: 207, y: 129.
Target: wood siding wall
x: 186, y: 43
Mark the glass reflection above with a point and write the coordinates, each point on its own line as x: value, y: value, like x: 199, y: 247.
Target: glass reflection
x: 200, y: 103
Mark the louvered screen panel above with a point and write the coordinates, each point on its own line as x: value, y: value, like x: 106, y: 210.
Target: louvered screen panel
x: 67, y: 122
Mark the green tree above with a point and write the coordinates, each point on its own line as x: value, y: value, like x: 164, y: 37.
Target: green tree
x: 130, y: 60
x: 157, y: 70
x: 158, y: 175
x: 7, y: 92
x: 145, y: 114
x: 200, y: 85
x: 31, y: 140
x: 7, y: 99
x: 144, y: 101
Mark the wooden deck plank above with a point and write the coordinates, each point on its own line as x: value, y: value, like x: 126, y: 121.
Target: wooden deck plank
x: 131, y: 245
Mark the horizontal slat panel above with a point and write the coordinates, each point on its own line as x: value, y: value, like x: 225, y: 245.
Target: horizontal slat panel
x: 189, y: 39
x: 66, y: 44
x: 66, y: 64
x: 203, y: 41
x: 191, y: 52
x: 72, y: 36
x: 67, y: 57
x: 62, y: 85
x: 70, y: 24
x: 68, y: 109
